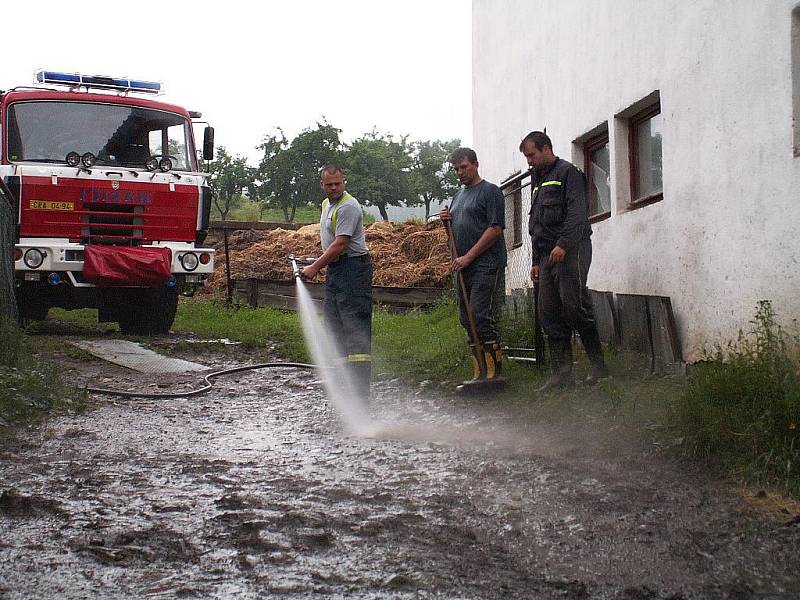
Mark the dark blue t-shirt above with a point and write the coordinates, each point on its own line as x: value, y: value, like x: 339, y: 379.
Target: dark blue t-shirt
x: 474, y: 209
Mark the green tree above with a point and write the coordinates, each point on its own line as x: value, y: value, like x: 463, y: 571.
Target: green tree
x: 229, y: 176
x: 378, y: 171
x: 432, y: 181
x: 288, y: 174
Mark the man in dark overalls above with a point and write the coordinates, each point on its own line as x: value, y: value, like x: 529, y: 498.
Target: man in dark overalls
x: 562, y: 253
x: 348, y: 281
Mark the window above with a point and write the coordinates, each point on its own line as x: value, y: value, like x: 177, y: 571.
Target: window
x: 597, y: 162
x: 645, y: 141
x: 512, y: 192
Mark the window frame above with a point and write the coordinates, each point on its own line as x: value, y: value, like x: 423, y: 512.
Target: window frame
x: 647, y: 113
x: 591, y: 145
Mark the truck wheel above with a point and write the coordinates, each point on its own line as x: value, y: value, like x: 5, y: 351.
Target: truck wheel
x: 164, y: 306
x: 149, y: 312
x: 30, y: 308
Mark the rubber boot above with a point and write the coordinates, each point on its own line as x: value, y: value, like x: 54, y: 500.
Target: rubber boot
x: 478, y: 371
x: 361, y: 378
x: 594, y: 351
x: 562, y: 376
x: 493, y: 356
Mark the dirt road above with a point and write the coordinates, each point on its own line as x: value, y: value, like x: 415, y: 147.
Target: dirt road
x: 254, y: 491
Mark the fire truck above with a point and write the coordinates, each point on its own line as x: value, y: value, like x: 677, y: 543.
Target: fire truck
x: 112, y: 208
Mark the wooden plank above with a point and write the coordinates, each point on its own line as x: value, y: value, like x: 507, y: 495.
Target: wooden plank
x: 664, y: 335
x: 256, y: 291
x: 634, y: 324
x: 237, y: 225
x: 605, y: 317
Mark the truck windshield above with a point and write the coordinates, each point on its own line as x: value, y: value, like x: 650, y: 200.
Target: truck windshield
x: 117, y: 135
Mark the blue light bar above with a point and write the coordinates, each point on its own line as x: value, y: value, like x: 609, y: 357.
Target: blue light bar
x: 98, y: 81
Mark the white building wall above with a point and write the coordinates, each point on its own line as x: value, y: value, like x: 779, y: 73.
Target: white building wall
x: 726, y: 233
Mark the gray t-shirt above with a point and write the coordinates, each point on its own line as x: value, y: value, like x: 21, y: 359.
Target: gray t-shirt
x: 343, y: 217
x: 474, y: 209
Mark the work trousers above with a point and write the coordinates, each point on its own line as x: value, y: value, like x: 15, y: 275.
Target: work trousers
x: 482, y: 284
x: 564, y: 301
x: 348, y: 313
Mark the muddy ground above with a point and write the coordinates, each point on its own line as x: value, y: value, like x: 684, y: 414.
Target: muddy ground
x: 254, y: 490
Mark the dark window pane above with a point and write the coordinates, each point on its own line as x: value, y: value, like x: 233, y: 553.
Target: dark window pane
x: 648, y: 156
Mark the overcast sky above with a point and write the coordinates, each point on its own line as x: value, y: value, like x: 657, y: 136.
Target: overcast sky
x: 401, y: 67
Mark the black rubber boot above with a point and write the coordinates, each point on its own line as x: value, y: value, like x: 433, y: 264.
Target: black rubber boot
x: 594, y: 351
x: 562, y: 376
x: 361, y: 376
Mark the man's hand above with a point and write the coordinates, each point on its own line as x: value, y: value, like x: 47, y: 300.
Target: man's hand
x: 535, y: 273
x: 462, y: 262
x: 308, y: 273
x: 556, y: 256
x: 444, y: 214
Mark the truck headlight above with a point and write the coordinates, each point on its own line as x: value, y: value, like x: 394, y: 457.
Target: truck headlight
x: 190, y: 261
x: 33, y: 258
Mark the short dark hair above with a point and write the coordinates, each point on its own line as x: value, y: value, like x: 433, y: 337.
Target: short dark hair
x: 538, y: 138
x: 460, y: 154
x: 330, y: 168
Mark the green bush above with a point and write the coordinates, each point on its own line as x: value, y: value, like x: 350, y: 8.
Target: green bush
x: 741, y: 407
x: 10, y: 343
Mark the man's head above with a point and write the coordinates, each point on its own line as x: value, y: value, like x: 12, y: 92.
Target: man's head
x: 332, y: 182
x: 538, y: 150
x: 464, y: 163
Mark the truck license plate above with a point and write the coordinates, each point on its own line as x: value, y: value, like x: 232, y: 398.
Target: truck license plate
x: 51, y: 205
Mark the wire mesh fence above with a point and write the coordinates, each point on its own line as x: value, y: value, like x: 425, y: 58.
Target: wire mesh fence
x: 8, y: 302
x: 520, y: 328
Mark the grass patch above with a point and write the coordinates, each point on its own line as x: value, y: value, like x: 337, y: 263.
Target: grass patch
x: 29, y: 387
x: 741, y: 407
x: 276, y: 330
x: 422, y: 344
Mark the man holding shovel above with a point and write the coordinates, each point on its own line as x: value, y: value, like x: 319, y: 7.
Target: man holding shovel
x: 475, y: 221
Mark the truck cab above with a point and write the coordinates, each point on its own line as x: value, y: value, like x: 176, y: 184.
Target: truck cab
x: 112, y: 207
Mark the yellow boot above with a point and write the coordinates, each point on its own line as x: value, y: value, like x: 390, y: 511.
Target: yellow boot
x: 493, y: 355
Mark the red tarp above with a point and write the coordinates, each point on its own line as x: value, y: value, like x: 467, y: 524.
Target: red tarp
x: 107, y: 266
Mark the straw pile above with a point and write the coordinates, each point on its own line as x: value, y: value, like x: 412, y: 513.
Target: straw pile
x: 404, y: 254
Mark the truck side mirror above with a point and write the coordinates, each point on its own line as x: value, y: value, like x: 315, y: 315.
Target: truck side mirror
x: 208, y: 143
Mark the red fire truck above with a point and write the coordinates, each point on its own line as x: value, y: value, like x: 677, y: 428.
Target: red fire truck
x: 112, y: 209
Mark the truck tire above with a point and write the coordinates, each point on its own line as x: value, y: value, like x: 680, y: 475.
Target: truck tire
x: 30, y: 307
x: 149, y: 312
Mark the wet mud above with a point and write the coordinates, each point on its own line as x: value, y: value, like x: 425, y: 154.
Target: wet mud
x: 254, y: 490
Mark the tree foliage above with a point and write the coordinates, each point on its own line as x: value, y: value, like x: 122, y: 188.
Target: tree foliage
x: 378, y: 171
x: 381, y: 171
x: 229, y: 176
x: 287, y: 176
x: 432, y: 181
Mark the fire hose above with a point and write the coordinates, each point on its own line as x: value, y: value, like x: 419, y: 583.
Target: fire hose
x: 207, y: 379
x: 296, y: 262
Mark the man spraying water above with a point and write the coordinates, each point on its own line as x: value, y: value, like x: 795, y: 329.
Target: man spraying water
x: 348, y: 282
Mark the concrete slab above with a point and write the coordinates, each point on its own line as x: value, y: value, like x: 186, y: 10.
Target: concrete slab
x: 134, y: 356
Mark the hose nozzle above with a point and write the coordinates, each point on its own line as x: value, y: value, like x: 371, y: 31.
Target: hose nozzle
x: 296, y: 262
